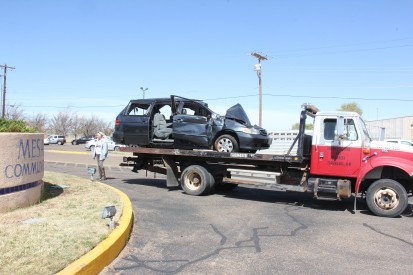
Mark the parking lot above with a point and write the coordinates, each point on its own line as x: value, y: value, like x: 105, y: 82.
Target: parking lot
x: 244, y: 231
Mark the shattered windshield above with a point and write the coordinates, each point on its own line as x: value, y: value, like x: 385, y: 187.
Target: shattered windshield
x: 236, y: 112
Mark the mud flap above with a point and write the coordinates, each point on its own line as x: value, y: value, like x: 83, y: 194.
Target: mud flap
x: 172, y: 174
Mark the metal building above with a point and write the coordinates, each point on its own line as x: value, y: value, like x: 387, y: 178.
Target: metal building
x: 394, y: 128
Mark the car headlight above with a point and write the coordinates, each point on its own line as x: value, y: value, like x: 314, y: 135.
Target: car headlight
x: 252, y: 131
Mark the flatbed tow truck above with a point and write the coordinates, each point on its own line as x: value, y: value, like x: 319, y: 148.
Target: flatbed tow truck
x: 338, y: 161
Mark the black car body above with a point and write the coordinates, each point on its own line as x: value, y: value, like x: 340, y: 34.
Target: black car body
x: 192, y: 126
x: 81, y: 140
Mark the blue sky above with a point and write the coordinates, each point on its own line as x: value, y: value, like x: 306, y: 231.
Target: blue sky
x: 91, y: 57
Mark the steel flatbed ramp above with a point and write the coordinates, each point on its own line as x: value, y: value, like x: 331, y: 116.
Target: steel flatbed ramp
x: 209, y: 155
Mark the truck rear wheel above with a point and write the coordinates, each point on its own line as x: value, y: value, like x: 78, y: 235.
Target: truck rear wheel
x: 386, y: 198
x: 196, y: 180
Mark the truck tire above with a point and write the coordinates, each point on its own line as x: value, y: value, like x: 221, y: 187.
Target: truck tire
x: 386, y: 198
x: 226, y: 143
x: 196, y: 180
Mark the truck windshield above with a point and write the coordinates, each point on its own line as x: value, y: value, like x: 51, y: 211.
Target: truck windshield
x: 364, y: 128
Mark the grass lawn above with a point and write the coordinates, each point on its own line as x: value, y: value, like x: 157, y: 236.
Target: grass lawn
x: 46, y: 237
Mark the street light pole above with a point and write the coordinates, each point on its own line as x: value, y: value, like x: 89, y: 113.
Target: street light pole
x: 258, y: 69
x: 143, y: 92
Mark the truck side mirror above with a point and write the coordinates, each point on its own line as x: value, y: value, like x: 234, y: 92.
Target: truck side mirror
x: 340, y: 129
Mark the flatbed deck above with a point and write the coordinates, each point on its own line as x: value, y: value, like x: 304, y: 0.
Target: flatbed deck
x: 213, y: 156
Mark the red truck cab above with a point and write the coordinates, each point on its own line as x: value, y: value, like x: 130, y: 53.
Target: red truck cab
x: 342, y: 148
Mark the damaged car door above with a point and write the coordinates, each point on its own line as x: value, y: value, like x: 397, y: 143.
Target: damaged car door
x: 192, y: 125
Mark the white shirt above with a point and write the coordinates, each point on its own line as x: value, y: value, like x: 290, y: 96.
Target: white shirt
x: 98, y: 147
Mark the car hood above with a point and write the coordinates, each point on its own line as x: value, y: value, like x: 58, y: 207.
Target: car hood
x: 237, y: 113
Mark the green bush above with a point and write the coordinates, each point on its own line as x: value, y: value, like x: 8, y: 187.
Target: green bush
x: 15, y: 126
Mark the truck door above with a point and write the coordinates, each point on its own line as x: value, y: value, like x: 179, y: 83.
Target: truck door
x: 336, y: 157
x: 135, y: 123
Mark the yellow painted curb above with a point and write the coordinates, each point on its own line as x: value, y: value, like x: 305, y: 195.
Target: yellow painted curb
x: 103, y: 254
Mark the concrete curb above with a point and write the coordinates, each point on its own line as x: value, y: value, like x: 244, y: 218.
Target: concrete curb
x: 104, y: 253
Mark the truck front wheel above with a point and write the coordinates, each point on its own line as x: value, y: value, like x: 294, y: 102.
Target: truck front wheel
x: 386, y: 198
x: 196, y: 180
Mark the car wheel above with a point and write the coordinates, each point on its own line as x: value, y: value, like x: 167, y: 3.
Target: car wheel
x: 59, y: 143
x: 92, y: 147
x: 226, y: 143
x: 117, y: 148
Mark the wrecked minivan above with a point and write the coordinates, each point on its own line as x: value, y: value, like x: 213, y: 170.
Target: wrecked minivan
x: 182, y: 123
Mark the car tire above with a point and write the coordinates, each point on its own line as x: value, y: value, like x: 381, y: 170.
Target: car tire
x: 117, y: 148
x: 59, y: 143
x: 386, y: 198
x: 226, y: 143
x: 92, y: 147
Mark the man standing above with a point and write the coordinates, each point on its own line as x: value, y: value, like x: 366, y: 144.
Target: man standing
x: 101, y: 152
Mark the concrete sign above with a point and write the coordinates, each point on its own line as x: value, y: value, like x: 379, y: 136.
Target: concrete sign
x: 21, y: 169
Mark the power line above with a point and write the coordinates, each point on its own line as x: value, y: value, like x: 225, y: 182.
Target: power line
x: 345, y: 45
x: 234, y: 97
x: 68, y: 107
x: 344, y: 51
x: 316, y: 97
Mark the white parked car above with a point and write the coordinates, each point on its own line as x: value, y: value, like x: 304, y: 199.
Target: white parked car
x: 90, y: 145
x: 55, y: 139
x: 400, y: 141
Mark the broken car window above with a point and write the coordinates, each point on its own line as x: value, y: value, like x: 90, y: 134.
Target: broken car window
x: 138, y: 109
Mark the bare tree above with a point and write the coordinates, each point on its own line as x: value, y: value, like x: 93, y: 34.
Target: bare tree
x: 77, y: 123
x: 109, y: 129
x: 92, y: 125
x: 296, y: 126
x: 14, y: 112
x: 39, y: 123
x: 61, y: 123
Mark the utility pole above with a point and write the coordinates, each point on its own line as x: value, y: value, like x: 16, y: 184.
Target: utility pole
x: 4, y: 87
x: 143, y: 92
x: 258, y: 69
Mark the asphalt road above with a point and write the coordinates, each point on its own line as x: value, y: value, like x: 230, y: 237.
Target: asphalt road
x: 247, y: 230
